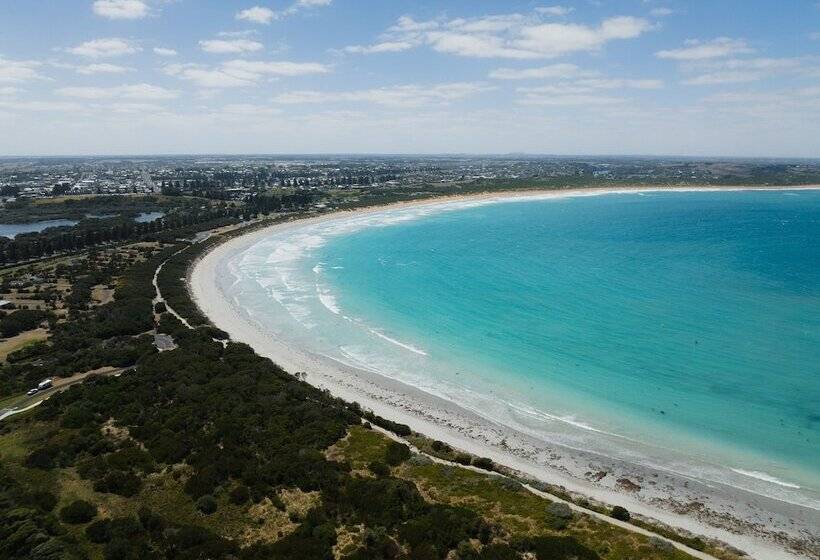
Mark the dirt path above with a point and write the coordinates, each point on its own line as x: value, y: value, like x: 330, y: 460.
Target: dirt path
x: 605, y: 518
x: 158, y: 297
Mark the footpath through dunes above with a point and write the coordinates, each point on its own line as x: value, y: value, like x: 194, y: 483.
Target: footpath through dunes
x: 727, y: 518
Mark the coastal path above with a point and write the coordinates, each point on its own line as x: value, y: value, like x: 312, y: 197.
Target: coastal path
x: 546, y: 495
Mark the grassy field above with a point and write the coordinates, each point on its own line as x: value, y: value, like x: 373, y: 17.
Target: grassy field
x: 22, y: 340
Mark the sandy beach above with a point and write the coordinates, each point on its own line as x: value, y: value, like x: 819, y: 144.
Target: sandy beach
x: 763, y: 527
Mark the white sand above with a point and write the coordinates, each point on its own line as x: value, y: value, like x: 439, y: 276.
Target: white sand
x: 761, y: 526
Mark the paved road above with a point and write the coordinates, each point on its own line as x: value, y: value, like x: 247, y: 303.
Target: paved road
x: 60, y: 384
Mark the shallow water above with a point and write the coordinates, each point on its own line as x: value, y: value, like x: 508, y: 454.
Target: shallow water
x: 13, y: 230
x: 148, y: 216
x: 675, y: 330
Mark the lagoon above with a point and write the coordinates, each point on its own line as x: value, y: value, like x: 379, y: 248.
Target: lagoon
x: 12, y: 230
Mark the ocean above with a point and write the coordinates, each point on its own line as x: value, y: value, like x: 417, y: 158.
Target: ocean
x: 676, y: 330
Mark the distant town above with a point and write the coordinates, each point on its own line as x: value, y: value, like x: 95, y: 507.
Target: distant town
x: 237, y: 178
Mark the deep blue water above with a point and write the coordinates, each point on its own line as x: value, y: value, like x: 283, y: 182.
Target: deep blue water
x: 678, y: 330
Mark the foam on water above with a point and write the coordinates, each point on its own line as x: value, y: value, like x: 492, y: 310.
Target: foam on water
x: 766, y: 477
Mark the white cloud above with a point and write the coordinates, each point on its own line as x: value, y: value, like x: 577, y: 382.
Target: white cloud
x: 133, y: 92
x: 242, y: 73
x: 105, y: 48
x: 275, y: 68
x: 121, y: 9
x: 18, y: 71
x: 568, y: 99
x: 396, y: 96
x: 514, y: 36
x: 553, y: 39
x: 386, y: 46
x: 584, y: 91
x: 563, y: 70
x: 313, y: 3
x: 258, y: 14
x: 703, y: 50
x: 741, y: 70
x: 661, y: 12
x: 717, y: 78
x: 102, y: 68
x: 554, y: 10
x: 620, y: 83
x: 231, y: 46
x: 163, y: 51
x: 38, y: 106
x: 249, y: 110
x: 9, y: 90
x: 135, y: 108
x: 212, y: 78
x: 263, y: 15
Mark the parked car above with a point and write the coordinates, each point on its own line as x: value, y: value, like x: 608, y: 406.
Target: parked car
x: 44, y: 384
x: 32, y: 391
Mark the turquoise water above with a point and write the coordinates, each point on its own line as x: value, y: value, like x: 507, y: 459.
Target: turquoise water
x: 673, y: 329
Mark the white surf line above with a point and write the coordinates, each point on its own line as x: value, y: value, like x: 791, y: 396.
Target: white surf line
x: 552, y: 498
x: 766, y: 478
x: 398, y: 343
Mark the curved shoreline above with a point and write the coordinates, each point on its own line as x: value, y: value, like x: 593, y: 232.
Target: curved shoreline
x: 459, y: 427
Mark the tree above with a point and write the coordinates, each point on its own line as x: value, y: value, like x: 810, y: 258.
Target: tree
x: 78, y: 512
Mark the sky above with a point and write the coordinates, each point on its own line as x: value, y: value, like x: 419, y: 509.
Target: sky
x: 653, y: 77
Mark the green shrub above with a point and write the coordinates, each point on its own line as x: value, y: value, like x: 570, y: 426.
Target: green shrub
x: 462, y: 458
x: 206, y: 504
x: 492, y: 552
x: 483, y: 463
x: 99, y: 532
x: 396, y: 453
x: 77, y: 415
x: 78, y: 512
x: 42, y: 458
x: 619, y: 513
x: 379, y: 469
x: 45, y: 501
x: 240, y: 495
x: 117, y: 482
x: 561, y: 548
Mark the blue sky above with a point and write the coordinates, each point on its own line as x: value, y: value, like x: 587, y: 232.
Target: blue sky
x: 728, y: 78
